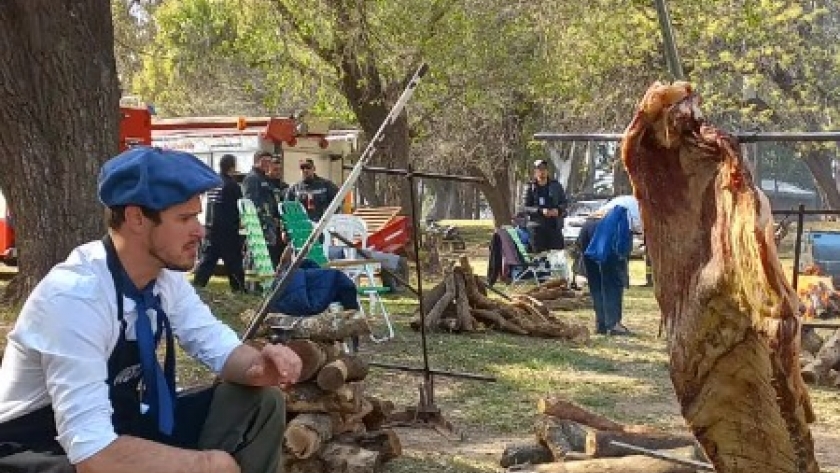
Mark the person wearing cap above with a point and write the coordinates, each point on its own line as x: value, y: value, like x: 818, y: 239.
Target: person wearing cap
x: 223, y: 240
x: 313, y: 191
x: 258, y: 188
x: 545, y: 202
x: 81, y: 387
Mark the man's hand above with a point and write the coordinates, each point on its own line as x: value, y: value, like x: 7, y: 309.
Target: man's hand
x: 551, y: 212
x: 217, y: 461
x: 276, y: 365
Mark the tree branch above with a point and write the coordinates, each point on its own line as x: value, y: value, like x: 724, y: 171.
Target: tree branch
x: 326, y: 54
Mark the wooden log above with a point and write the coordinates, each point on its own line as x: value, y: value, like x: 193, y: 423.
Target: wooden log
x: 825, y: 360
x: 496, y: 321
x: 628, y: 464
x: 462, y: 302
x: 337, y: 372
x: 386, y: 442
x: 598, y: 443
x: 380, y: 413
x: 308, y: 397
x: 568, y: 304
x: 341, y: 458
x: 444, y: 303
x: 559, y: 408
x: 560, y: 436
x: 481, y: 301
x: 811, y: 341
x: 310, y: 465
x: 546, y: 294
x: 525, y: 453
x: 327, y: 327
x: 313, y: 356
x: 306, y: 433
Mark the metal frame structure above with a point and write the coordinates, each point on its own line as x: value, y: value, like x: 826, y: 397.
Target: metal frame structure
x: 426, y: 413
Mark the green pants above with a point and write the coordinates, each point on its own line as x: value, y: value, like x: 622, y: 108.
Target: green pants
x: 248, y: 423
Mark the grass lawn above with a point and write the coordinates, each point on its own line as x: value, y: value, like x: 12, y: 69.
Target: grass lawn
x: 622, y: 377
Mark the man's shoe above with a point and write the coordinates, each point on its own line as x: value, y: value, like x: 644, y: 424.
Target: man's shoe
x: 619, y: 330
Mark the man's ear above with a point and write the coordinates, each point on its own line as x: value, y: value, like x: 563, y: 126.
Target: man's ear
x: 134, y: 218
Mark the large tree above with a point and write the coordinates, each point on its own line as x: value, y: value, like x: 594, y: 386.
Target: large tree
x: 59, y: 113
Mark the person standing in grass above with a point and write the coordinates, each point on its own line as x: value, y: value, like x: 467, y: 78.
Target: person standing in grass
x: 606, y: 241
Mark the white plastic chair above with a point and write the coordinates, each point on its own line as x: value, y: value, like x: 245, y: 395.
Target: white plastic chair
x: 353, y: 228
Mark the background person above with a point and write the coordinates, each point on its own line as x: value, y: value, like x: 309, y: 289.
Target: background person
x: 313, y: 191
x: 258, y: 188
x: 223, y: 240
x: 80, y: 383
x: 545, y: 202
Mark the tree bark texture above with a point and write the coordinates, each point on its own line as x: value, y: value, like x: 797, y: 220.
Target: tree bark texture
x: 59, y: 109
x: 730, y: 316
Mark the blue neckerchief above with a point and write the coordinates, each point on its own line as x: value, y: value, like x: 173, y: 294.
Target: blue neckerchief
x: 159, y: 384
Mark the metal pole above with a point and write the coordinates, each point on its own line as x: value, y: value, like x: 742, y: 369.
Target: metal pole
x: 743, y: 137
x: 800, y: 220
x: 671, y: 55
x: 283, y: 282
x: 415, y: 222
x: 411, y: 369
x: 427, y: 175
x: 664, y: 456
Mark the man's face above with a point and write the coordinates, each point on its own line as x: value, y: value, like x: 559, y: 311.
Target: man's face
x: 175, y: 241
x: 275, y: 170
x: 541, y: 172
x: 265, y: 164
x: 307, y: 170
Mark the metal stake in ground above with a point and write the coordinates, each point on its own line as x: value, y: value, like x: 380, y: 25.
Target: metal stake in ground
x: 376, y: 140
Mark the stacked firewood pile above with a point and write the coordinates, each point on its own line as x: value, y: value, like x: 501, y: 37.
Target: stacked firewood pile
x: 332, y: 425
x: 571, y: 439
x: 820, y: 358
x: 460, y: 304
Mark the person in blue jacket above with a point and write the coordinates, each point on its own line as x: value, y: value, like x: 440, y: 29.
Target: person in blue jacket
x: 606, y: 242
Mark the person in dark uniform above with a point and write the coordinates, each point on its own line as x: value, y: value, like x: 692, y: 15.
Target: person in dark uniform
x: 223, y: 240
x: 258, y: 188
x: 313, y: 191
x: 81, y: 387
x: 545, y: 203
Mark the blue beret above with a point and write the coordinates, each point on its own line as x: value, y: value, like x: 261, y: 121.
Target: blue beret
x: 154, y: 178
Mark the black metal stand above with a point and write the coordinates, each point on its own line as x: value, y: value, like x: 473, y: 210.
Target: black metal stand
x: 426, y: 413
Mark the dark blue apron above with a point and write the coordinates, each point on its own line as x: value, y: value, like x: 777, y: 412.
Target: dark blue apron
x: 28, y: 444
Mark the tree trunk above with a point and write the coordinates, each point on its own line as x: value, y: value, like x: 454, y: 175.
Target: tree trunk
x: 371, y: 101
x: 731, y: 318
x: 497, y: 190
x: 819, y: 163
x: 59, y: 106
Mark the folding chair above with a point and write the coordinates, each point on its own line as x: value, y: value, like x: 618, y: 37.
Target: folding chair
x: 353, y: 228
x: 259, y: 270
x: 536, y: 267
x: 298, y: 227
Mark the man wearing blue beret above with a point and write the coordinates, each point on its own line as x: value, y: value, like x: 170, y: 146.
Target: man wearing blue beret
x: 81, y: 387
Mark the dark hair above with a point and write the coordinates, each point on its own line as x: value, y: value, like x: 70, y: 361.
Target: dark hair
x: 261, y: 154
x: 227, y: 163
x: 115, y: 216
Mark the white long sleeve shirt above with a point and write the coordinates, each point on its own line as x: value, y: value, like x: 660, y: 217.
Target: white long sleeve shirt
x: 58, y: 351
